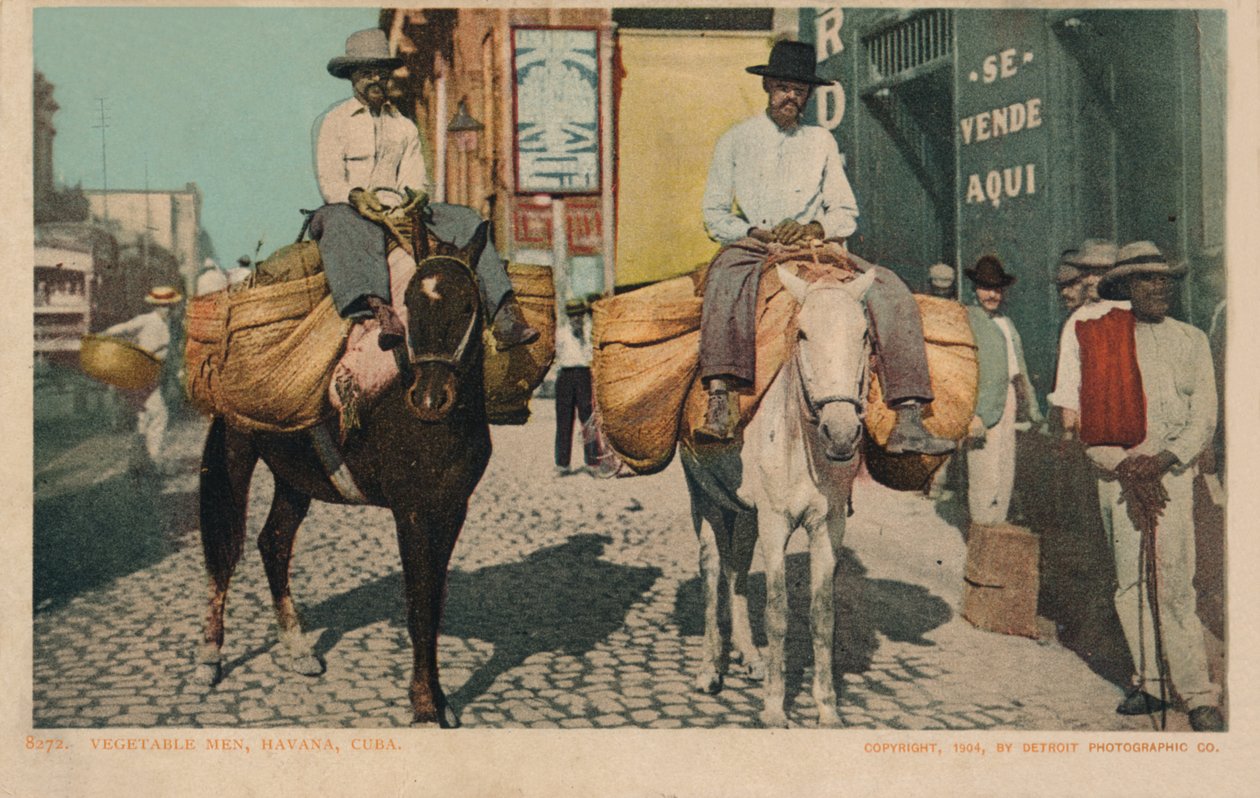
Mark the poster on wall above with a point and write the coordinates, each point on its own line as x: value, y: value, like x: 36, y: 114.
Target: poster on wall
x: 555, y: 80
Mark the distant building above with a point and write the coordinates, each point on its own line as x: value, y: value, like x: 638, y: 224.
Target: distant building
x: 172, y: 220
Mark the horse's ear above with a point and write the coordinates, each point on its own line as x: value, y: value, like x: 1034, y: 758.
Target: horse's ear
x: 857, y: 288
x: 794, y: 285
x: 471, y: 252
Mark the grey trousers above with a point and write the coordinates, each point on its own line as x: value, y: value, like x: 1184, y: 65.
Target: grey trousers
x: 353, y: 253
x: 728, y: 325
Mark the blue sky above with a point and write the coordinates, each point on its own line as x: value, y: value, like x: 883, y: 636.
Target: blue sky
x: 220, y: 97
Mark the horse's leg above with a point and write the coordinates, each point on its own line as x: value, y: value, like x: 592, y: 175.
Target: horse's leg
x: 773, y: 530
x: 709, y: 523
x: 824, y: 550
x: 735, y: 564
x: 426, y: 538
x: 227, y: 464
x: 275, y: 544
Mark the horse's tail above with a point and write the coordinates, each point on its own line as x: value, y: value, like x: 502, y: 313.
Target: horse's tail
x: 222, y: 510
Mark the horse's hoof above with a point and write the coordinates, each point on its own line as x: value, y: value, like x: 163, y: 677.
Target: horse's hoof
x: 208, y: 673
x: 306, y: 665
x: 754, y: 670
x: 774, y: 719
x: 828, y: 718
x: 447, y: 719
x: 709, y: 682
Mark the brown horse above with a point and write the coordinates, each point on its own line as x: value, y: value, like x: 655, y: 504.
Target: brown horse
x: 421, y: 449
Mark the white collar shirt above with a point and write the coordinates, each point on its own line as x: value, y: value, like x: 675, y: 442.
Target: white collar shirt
x: 149, y: 331
x: 355, y: 149
x: 761, y: 175
x: 573, y: 350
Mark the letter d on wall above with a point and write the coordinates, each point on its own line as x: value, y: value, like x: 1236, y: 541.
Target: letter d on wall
x: 830, y: 107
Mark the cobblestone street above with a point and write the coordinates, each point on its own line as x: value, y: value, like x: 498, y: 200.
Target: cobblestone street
x: 574, y: 602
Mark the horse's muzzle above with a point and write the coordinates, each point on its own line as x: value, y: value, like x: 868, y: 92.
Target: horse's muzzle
x: 431, y: 396
x: 840, y: 427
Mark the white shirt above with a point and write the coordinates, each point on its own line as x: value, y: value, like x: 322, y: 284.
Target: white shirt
x: 1012, y: 362
x: 1067, y: 379
x: 573, y: 350
x: 761, y: 175
x: 1180, y: 389
x: 354, y: 149
x: 149, y: 331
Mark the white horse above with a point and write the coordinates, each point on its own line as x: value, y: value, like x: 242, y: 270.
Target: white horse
x: 795, y: 469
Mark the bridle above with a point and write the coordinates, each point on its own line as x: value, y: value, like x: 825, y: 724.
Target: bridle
x: 813, y: 404
x: 407, y: 363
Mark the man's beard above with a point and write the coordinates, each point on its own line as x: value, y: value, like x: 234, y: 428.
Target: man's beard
x: 786, y: 115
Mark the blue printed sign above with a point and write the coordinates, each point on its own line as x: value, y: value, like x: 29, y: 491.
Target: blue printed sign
x: 556, y: 81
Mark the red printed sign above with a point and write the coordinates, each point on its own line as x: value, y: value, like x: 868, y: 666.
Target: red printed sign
x: 585, y: 229
x: 531, y: 226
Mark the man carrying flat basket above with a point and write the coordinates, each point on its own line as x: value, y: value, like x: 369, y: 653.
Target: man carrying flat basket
x: 775, y: 180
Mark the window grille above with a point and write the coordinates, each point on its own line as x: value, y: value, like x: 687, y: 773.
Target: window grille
x: 905, y: 45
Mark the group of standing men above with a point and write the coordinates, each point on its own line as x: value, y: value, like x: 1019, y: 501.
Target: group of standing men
x: 1137, y: 390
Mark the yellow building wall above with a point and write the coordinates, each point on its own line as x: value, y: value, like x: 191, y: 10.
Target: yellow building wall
x: 679, y: 94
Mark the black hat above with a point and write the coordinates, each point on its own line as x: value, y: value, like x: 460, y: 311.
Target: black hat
x: 791, y: 61
x: 988, y: 273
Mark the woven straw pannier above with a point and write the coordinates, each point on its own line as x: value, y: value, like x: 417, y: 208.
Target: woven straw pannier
x: 512, y: 376
x: 262, y: 356
x: 954, y: 370
x: 646, y: 350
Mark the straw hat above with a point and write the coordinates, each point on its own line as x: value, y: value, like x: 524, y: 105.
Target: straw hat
x: 1095, y: 254
x: 941, y: 275
x: 364, y: 48
x: 988, y: 273
x: 1138, y: 257
x: 163, y: 295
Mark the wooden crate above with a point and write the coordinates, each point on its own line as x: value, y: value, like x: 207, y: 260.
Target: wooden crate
x: 1002, y: 579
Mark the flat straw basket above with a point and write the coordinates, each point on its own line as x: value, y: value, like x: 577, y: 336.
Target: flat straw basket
x: 118, y: 363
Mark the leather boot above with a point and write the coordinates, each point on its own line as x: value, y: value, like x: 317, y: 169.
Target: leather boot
x: 909, y: 436
x: 510, y: 328
x: 392, y: 330
x: 720, y: 417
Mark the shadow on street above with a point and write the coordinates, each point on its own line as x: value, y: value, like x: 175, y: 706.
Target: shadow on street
x: 94, y: 521
x: 563, y: 599
x: 900, y: 611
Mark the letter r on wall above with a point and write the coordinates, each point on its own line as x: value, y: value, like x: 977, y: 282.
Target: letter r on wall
x: 827, y: 33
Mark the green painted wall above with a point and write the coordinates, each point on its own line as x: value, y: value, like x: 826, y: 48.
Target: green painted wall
x: 1122, y: 137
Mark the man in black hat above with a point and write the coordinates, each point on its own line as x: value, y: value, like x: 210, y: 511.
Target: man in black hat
x: 367, y: 160
x: 1003, y: 387
x: 775, y: 180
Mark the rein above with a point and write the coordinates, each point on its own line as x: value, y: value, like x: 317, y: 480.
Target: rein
x: 812, y: 404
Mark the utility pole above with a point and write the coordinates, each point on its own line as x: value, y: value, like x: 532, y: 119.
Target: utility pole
x: 102, y: 126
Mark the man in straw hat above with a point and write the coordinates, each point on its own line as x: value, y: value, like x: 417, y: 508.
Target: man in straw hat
x: 1003, y: 386
x: 1070, y: 281
x: 775, y: 180
x: 1093, y: 260
x: 151, y: 332
x: 1147, y: 487
x: 367, y: 161
x: 941, y: 281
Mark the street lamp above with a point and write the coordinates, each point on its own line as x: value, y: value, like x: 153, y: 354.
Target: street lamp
x: 464, y: 131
